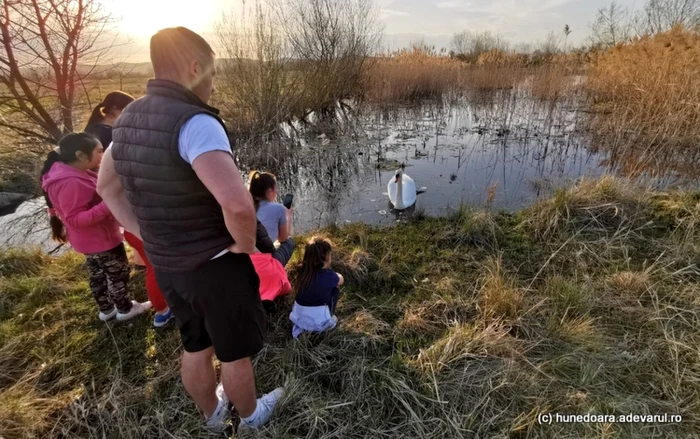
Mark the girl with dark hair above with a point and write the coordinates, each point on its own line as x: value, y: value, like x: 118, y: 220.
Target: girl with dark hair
x: 103, y: 117
x: 276, y: 218
x: 80, y: 217
x: 105, y: 114
x: 318, y: 290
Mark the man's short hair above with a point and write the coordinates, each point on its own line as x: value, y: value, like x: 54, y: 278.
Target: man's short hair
x: 171, y: 48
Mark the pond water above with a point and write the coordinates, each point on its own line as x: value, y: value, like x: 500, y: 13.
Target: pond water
x: 503, y: 152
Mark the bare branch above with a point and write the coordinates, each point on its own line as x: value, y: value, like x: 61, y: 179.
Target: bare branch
x: 45, y: 48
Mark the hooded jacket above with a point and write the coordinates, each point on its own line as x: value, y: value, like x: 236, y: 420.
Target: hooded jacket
x: 90, y: 226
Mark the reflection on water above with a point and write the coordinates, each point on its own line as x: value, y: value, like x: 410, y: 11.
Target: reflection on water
x: 507, y: 151
x: 504, y: 150
x: 29, y: 225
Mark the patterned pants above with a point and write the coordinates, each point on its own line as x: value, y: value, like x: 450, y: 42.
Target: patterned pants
x: 109, y: 279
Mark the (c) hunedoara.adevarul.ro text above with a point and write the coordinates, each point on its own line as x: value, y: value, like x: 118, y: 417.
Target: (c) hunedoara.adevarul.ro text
x: 562, y: 418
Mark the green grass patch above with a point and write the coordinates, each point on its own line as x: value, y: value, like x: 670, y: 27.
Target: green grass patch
x: 467, y: 326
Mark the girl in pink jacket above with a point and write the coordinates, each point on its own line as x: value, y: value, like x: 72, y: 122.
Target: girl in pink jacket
x: 80, y: 217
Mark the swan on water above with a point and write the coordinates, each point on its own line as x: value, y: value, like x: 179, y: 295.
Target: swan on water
x: 402, y: 190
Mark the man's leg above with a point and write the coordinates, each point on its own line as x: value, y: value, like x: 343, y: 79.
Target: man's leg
x: 235, y: 321
x: 199, y: 379
x: 239, y: 384
x: 197, y: 369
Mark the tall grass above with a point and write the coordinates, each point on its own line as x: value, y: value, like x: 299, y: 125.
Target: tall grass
x: 648, y: 95
x: 417, y: 74
x: 468, y: 326
x: 412, y: 76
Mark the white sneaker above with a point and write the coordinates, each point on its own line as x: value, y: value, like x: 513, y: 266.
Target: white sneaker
x: 263, y: 412
x: 108, y: 316
x: 217, y: 423
x: 136, y: 309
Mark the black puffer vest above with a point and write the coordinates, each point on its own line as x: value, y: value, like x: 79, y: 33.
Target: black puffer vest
x: 181, y: 222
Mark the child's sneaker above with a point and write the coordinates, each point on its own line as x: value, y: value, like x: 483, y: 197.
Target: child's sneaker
x: 217, y: 423
x: 136, y: 309
x: 107, y: 316
x: 161, y: 320
x: 263, y: 412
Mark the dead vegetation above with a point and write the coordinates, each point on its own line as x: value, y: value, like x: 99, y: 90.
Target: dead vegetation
x: 463, y: 326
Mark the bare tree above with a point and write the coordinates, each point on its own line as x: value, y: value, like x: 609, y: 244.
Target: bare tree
x: 550, y: 45
x: 333, y: 42
x: 121, y: 71
x: 662, y: 15
x: 612, y: 26
x: 470, y: 45
x: 260, y: 87
x: 49, y: 47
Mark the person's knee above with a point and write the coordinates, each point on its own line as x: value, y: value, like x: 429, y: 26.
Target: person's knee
x: 195, y: 360
x: 238, y: 369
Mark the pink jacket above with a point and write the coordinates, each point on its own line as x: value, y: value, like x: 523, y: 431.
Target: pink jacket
x: 273, y: 276
x: 90, y: 226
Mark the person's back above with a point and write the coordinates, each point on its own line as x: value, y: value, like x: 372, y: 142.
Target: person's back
x: 276, y: 218
x: 321, y: 290
x: 273, y: 277
x: 157, y: 178
x: 318, y: 291
x: 171, y: 179
x: 272, y: 215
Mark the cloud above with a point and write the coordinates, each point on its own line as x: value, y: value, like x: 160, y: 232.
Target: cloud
x: 453, y: 4
x: 388, y: 13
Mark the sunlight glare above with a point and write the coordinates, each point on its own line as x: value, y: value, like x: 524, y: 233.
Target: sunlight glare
x: 144, y: 17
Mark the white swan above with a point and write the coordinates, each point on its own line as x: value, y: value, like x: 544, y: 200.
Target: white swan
x: 402, y: 190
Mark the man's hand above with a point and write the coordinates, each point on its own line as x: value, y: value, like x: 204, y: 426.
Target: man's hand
x: 110, y: 188
x: 219, y: 173
x: 235, y: 248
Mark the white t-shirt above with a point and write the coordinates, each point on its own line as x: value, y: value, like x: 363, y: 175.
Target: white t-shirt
x: 202, y: 133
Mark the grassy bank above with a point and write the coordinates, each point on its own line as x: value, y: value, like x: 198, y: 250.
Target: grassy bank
x: 468, y: 326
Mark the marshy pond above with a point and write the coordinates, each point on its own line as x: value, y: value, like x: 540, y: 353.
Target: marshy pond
x: 501, y: 152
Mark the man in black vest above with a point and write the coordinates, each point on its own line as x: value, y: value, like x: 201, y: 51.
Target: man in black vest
x: 170, y: 178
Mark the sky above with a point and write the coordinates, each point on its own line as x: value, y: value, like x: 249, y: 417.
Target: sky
x: 404, y: 21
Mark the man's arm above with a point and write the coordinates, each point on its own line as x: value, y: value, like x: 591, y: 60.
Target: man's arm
x: 219, y: 173
x: 110, y: 188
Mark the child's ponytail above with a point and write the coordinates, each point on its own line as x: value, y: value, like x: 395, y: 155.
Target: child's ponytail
x: 260, y: 183
x: 315, y: 255
x: 58, y: 230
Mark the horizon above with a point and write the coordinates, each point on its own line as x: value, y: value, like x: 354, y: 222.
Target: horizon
x: 432, y: 22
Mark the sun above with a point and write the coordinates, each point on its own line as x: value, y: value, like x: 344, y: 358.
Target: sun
x: 143, y: 18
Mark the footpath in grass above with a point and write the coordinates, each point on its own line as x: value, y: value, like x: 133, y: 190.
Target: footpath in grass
x: 475, y: 325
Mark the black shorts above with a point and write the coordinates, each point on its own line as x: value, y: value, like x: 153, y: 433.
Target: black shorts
x: 218, y: 304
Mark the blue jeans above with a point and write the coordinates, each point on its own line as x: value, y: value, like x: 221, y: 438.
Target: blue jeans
x: 285, y: 251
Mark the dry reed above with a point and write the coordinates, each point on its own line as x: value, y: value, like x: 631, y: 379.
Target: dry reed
x: 648, y: 96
